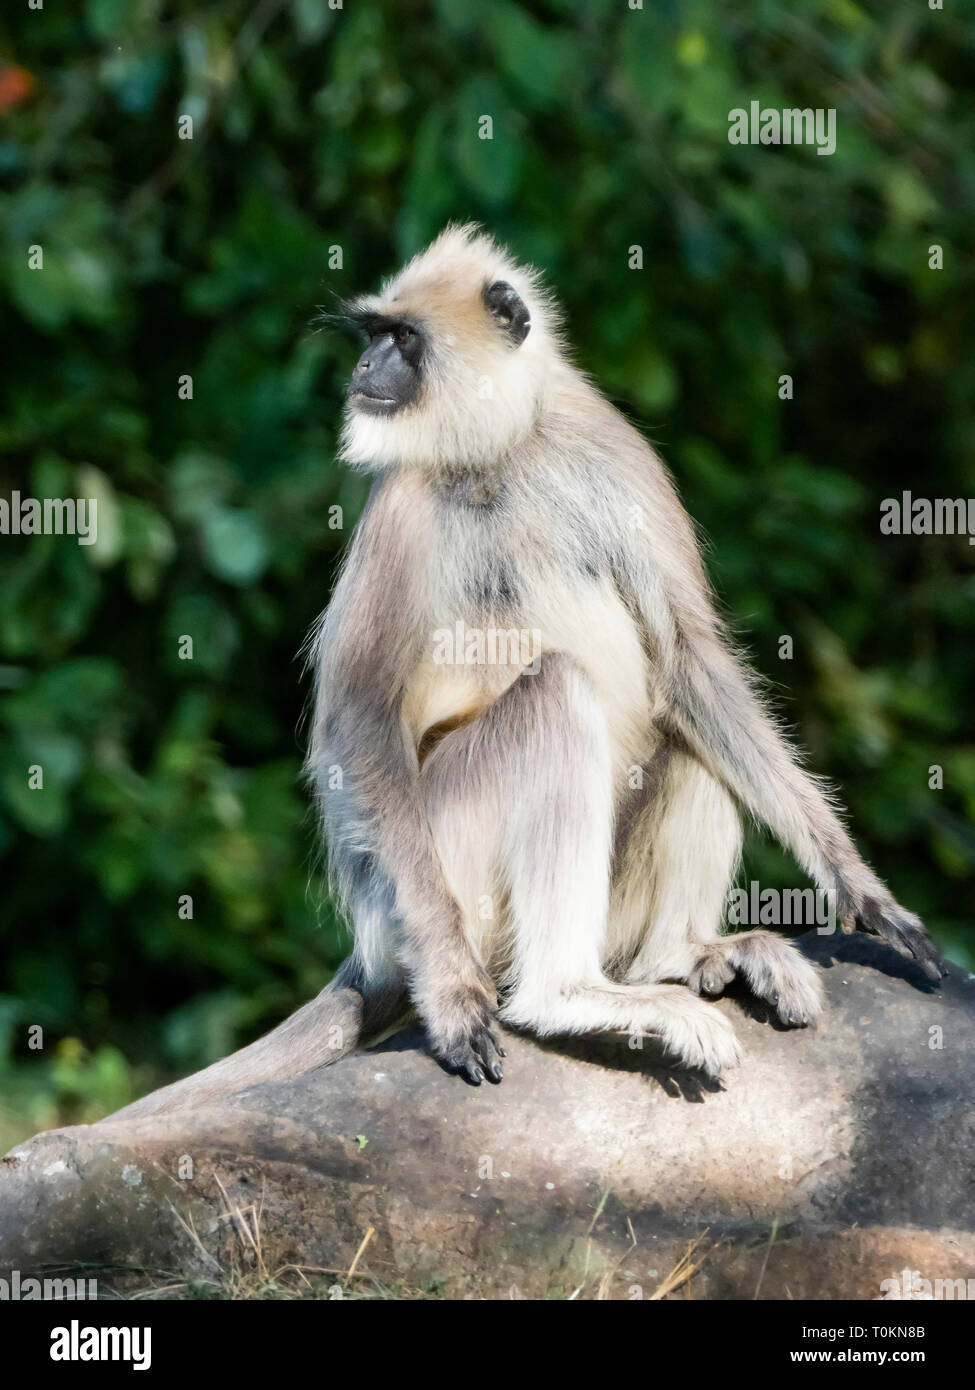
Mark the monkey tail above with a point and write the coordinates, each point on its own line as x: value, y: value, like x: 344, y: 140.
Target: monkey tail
x: 327, y: 1028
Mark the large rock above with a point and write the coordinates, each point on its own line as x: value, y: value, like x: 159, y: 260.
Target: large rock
x: 831, y: 1160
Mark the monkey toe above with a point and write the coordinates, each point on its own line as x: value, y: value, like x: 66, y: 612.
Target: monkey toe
x: 711, y: 973
x: 797, y: 994
x: 798, y: 1008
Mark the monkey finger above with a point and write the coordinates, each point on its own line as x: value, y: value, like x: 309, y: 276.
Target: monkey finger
x: 460, y: 1061
x: 489, y: 1049
x: 474, y: 1056
x: 906, y: 934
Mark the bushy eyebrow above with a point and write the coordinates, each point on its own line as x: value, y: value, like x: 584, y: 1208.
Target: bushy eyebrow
x: 364, y: 320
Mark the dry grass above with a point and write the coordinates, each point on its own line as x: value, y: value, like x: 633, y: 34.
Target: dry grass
x: 245, y: 1272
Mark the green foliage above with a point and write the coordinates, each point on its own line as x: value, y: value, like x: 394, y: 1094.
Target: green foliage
x: 357, y: 128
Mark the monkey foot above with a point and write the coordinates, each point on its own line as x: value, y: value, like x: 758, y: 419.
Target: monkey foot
x: 772, y: 968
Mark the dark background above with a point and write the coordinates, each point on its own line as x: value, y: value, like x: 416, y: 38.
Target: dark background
x: 357, y: 128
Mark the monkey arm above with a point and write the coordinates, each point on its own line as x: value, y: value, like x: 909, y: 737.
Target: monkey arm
x: 388, y: 873
x: 383, y: 859
x: 712, y: 704
x: 717, y: 711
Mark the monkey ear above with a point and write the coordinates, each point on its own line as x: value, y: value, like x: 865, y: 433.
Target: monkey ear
x: 508, y: 311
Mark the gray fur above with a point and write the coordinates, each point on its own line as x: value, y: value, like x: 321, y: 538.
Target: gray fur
x: 549, y: 513
x: 482, y: 824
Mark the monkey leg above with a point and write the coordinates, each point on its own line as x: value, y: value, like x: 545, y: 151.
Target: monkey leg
x: 521, y: 805
x: 464, y: 793
x: 690, y: 834
x: 679, y: 862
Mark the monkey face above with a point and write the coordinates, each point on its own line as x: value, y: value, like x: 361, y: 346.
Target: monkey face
x: 461, y: 346
x: 387, y: 375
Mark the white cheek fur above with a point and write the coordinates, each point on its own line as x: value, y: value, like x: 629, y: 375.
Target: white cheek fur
x: 466, y: 411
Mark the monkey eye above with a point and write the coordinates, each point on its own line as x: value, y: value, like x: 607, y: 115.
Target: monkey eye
x: 404, y: 333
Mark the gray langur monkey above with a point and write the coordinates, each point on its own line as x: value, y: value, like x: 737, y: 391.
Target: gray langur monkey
x: 487, y: 836
x: 560, y: 824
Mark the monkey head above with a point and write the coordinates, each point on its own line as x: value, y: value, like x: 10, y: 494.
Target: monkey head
x: 459, y: 356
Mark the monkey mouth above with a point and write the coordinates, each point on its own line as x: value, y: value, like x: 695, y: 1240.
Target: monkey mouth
x: 373, y: 405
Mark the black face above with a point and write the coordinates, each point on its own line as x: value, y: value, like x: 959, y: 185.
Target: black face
x: 387, y: 375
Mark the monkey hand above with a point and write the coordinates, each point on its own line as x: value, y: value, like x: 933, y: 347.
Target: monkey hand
x: 900, y: 929
x: 463, y: 1031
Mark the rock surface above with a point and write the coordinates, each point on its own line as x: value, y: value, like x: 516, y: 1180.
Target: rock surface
x: 831, y: 1160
